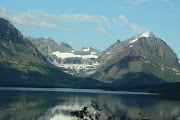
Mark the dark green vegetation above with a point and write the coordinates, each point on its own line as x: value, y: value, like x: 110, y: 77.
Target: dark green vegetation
x: 93, y: 112
x: 140, y: 61
x: 149, y: 62
x: 21, y: 64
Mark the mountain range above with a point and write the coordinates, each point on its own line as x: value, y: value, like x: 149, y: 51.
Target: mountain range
x: 21, y: 63
x: 40, y: 62
x: 140, y: 60
x: 78, y: 63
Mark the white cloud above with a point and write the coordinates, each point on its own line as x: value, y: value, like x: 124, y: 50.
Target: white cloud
x: 124, y: 21
x: 117, y: 22
x: 39, y: 15
x: 3, y: 10
x: 47, y: 25
x: 123, y: 18
x: 137, y: 29
x: 41, y: 19
x: 137, y: 2
x: 100, y: 29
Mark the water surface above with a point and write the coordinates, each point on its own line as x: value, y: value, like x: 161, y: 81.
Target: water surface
x: 55, y: 104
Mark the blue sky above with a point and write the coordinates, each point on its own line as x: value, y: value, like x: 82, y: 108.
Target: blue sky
x: 95, y: 23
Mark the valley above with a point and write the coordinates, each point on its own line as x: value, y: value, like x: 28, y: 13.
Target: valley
x: 89, y: 60
x: 143, y: 57
x: 138, y: 61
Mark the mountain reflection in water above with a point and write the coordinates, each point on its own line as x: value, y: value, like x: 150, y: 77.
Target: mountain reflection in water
x: 32, y: 105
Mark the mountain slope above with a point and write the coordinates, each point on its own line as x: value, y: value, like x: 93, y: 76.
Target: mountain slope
x: 142, y: 60
x: 21, y: 64
x: 45, y: 45
x: 78, y: 63
x: 64, y: 47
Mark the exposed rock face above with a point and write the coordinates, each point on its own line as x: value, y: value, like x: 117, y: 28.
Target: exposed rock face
x: 64, y: 47
x: 21, y: 64
x: 45, y: 45
x: 79, y: 63
x: 143, y: 59
x: 14, y: 47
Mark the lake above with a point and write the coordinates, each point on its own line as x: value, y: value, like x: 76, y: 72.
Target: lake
x: 56, y: 103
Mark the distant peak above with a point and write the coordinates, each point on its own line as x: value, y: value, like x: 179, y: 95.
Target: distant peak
x: 85, y: 49
x: 63, y: 44
x: 46, y: 38
x: 147, y: 34
x: 118, y: 40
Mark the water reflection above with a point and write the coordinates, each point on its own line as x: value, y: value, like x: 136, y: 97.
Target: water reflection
x: 19, y: 105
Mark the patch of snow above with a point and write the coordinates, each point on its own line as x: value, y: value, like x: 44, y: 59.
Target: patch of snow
x: 179, y: 60
x: 5, y: 45
x: 46, y: 38
x: 131, y: 46
x: 146, y: 34
x: 71, y: 55
x: 93, y: 53
x: 162, y: 68
x: 150, y: 63
x: 177, y: 73
x: 79, y: 67
x: 132, y: 41
x: 143, y: 56
x: 128, y: 53
x: 175, y: 70
x: 86, y: 49
x: 108, y: 52
x: 109, y: 57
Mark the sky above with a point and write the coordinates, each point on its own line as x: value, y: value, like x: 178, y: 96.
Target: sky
x: 95, y: 23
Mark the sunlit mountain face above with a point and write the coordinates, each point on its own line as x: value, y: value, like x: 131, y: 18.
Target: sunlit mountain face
x: 56, y: 56
x: 58, y: 105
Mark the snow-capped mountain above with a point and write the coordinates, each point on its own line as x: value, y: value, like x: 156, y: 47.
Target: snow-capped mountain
x: 111, y: 52
x: 22, y: 64
x: 143, y: 59
x: 79, y: 63
x: 141, y: 53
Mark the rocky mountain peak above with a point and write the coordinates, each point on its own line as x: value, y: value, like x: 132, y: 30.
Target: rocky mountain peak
x: 118, y: 40
x: 62, y: 44
x: 147, y: 34
x: 13, y: 46
x: 85, y: 49
x: 46, y: 38
x: 64, y: 47
x: 8, y: 32
x: 147, y: 57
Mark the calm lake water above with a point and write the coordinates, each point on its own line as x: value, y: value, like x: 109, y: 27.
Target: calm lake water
x: 55, y: 104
